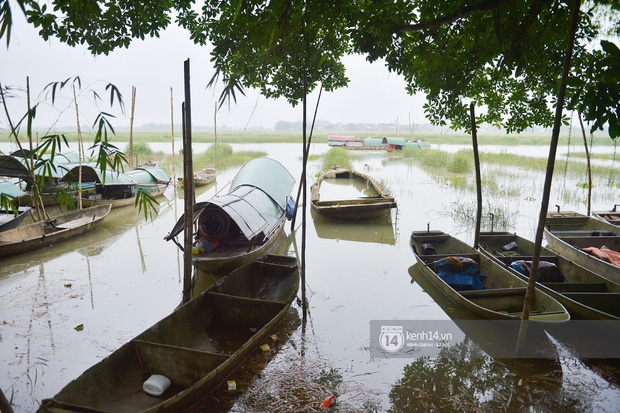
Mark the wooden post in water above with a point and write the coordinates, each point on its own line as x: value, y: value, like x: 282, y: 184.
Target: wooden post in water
x: 474, y: 138
x: 585, y: 145
x: 80, y: 149
x: 174, y: 172
x: 555, y: 136
x: 215, y: 137
x: 133, y: 109
x: 188, y: 179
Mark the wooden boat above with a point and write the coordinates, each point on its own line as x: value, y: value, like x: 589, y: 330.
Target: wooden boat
x: 504, y: 295
x: 612, y: 216
x: 244, y: 224
x: 52, y: 231
x: 585, y: 294
x: 377, y: 204
x: 196, y: 347
x: 570, y: 235
x: 202, y: 178
x: 10, y: 220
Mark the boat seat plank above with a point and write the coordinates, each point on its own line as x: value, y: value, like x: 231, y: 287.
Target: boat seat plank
x: 605, y: 302
x: 507, y: 259
x: 75, y: 223
x: 565, y: 287
x: 436, y: 257
x: 494, y: 292
x: 586, y: 232
x: 585, y: 242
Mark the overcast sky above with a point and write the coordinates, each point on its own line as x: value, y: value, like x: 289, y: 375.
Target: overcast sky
x: 155, y: 65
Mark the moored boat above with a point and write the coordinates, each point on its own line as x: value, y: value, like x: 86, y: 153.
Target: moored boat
x: 377, y: 202
x: 592, y: 243
x: 12, y: 216
x: 584, y: 293
x: 119, y: 189
x: 207, y: 176
x: 501, y: 295
x: 51, y: 231
x: 612, y: 216
x: 244, y: 224
x: 184, y: 356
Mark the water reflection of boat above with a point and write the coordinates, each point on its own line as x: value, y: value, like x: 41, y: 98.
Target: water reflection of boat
x: 500, y: 298
x: 585, y: 294
x: 242, y: 225
x: 63, y: 227
x: 589, y: 242
x: 377, y: 202
x: 204, y: 177
x: 194, y: 348
x: 377, y: 231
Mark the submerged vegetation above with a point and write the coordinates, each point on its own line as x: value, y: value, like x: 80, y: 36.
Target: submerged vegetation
x: 336, y: 157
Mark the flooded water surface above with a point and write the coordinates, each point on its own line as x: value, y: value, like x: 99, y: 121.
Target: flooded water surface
x: 119, y: 280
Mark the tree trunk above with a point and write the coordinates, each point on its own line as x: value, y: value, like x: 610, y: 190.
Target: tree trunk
x: 529, y: 295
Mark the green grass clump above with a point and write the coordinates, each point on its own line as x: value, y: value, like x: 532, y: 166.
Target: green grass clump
x: 226, y: 158
x: 461, y: 162
x: 140, y: 149
x: 336, y: 157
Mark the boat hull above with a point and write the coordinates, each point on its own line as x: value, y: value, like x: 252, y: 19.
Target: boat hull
x: 40, y: 234
x: 567, y: 236
x: 226, y: 258
x: 8, y: 220
x: 585, y: 294
x: 233, y: 319
x: 504, y: 295
x: 351, y: 209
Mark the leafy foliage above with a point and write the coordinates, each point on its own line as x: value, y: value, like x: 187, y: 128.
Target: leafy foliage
x: 503, y: 55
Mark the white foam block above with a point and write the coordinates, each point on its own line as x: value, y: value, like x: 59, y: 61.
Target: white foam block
x: 156, y: 385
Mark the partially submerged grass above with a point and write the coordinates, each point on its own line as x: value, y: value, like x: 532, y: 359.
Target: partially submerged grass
x: 336, y: 157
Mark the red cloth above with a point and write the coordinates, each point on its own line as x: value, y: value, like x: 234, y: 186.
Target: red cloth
x: 604, y: 253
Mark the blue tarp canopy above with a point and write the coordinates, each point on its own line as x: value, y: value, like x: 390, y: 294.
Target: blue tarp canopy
x: 256, y: 201
x: 7, y: 188
x: 15, y: 167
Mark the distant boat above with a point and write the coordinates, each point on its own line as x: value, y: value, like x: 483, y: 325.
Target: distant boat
x: 244, y: 224
x: 180, y: 359
x: 590, y: 242
x: 204, y: 177
x: 377, y: 204
x: 16, y: 167
x: 51, y: 231
x: 584, y: 293
x: 119, y: 189
x: 398, y: 144
x: 612, y: 216
x: 501, y: 295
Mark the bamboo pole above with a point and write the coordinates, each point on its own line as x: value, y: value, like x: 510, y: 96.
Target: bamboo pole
x: 555, y: 135
x: 174, y: 173
x: 585, y: 145
x: 474, y: 138
x: 133, y: 109
x: 188, y: 178
x: 80, y: 154
x: 215, y: 137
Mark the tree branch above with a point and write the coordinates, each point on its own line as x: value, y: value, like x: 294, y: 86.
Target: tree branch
x: 484, y: 5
